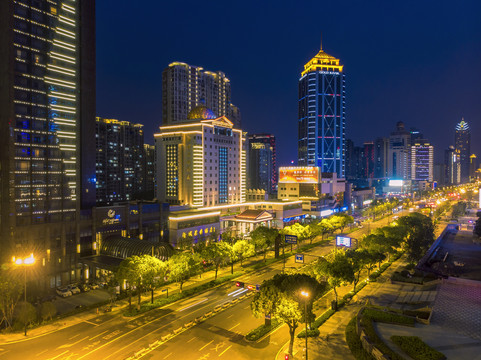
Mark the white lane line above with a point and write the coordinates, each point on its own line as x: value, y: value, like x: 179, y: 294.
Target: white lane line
x: 190, y: 306
x: 99, y: 334
x: 191, y: 339
x: 72, y: 344
x: 66, y: 351
x: 73, y: 337
x: 210, y: 342
x: 234, y: 326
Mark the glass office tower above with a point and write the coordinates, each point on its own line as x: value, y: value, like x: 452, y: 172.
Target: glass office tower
x: 322, y: 114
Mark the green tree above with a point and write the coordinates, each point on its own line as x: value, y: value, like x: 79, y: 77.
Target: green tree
x: 420, y: 235
x: 281, y: 298
x: 47, y: 310
x: 25, y: 313
x: 343, y: 220
x: 217, y: 253
x: 153, y: 272
x: 243, y: 249
x: 10, y: 292
x: 325, y: 227
x: 130, y: 271
x: 182, y: 267
x: 263, y: 238
x: 335, y: 269
x: 359, y: 260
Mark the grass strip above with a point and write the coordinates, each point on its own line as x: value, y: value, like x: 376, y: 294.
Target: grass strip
x: 416, y: 348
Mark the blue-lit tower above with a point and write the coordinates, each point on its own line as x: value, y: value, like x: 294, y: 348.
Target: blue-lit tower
x: 322, y: 114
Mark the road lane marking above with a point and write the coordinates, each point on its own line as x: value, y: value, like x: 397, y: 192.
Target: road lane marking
x: 210, y: 342
x: 191, y: 306
x: 42, y: 352
x: 231, y: 315
x: 227, y: 348
x: 72, y: 344
x: 66, y: 351
x: 91, y: 323
x: 73, y: 337
x: 191, y: 339
x: 234, y: 326
x: 165, y: 357
x: 99, y: 334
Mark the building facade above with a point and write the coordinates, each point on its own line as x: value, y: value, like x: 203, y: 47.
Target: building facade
x: 186, y: 86
x: 462, y: 144
x: 321, y: 117
x: 47, y: 115
x: 422, y: 160
x: 381, y: 152
x: 399, y: 153
x: 119, y: 160
x: 148, y: 168
x: 262, y: 168
x: 452, y: 166
x: 201, y: 162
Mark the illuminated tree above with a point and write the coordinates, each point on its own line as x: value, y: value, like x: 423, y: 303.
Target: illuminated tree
x: 243, y: 249
x: 11, y: 289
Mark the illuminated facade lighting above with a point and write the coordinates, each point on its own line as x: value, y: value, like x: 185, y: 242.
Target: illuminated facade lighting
x: 321, y: 140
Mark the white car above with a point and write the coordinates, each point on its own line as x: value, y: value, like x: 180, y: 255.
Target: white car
x: 63, y: 292
x: 74, y: 289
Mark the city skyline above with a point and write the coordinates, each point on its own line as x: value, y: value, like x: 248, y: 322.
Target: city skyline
x: 419, y: 57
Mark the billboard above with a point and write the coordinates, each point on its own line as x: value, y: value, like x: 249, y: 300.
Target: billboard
x: 299, y: 174
x: 343, y: 241
x: 395, y: 183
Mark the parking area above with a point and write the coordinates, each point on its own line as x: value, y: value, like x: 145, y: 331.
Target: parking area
x: 91, y: 297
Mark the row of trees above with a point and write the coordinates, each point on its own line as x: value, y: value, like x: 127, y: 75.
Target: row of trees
x: 281, y: 296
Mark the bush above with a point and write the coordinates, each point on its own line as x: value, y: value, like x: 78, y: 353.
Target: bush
x: 310, y: 333
x: 354, y: 342
x: 323, y: 318
x: 416, y: 348
x: 262, y: 330
x: 411, y: 280
x: 388, y: 317
x: 409, y: 267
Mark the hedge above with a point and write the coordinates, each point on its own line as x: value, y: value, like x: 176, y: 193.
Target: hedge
x: 310, y: 333
x: 416, y: 348
x: 262, y: 330
x: 354, y: 342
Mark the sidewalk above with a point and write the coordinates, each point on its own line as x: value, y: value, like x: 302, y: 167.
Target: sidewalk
x: 331, y: 343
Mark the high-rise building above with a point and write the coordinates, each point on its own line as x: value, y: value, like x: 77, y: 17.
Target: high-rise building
x: 422, y: 160
x: 119, y: 160
x: 201, y: 162
x: 321, y: 107
x: 148, y: 168
x: 381, y: 152
x: 369, y: 160
x: 462, y: 144
x: 47, y: 117
x: 399, y: 153
x: 262, y: 167
x: 453, y: 166
x: 186, y: 86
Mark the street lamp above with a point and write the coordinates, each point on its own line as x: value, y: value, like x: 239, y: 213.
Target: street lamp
x: 306, y: 296
x: 28, y: 261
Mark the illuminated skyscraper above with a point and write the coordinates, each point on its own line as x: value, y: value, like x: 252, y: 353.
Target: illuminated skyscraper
x: 399, y: 153
x: 462, y: 144
x: 47, y: 114
x: 321, y: 117
x: 422, y: 160
x: 186, y: 86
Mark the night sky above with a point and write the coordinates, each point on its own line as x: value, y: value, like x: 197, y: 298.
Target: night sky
x: 412, y: 61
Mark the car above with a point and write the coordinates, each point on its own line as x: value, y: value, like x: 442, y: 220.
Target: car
x: 94, y: 286
x: 74, y: 289
x: 84, y: 287
x: 63, y: 292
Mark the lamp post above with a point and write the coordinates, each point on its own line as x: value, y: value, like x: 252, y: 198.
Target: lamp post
x: 306, y: 296
x: 28, y: 261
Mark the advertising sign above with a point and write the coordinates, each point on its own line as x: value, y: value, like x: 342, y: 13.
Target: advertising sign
x: 343, y: 241
x: 295, y: 174
x: 395, y: 183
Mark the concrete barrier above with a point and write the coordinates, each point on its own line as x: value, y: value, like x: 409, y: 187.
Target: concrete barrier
x: 199, y: 319
x: 165, y: 337
x: 235, y: 301
x: 188, y: 325
x: 218, y: 308
x: 178, y: 330
x: 226, y: 305
x: 207, y: 314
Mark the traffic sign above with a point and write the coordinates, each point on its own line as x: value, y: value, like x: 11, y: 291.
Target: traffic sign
x: 258, y: 287
x: 300, y: 258
x: 290, y: 239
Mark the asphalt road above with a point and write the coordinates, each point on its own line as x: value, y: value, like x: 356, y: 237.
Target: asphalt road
x: 110, y: 336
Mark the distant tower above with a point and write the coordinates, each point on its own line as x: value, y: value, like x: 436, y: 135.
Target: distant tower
x: 422, y: 160
x: 462, y: 142
x: 399, y: 143
x: 321, y: 117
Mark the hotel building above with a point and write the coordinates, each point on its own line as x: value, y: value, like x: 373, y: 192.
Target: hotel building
x: 321, y: 119
x: 262, y: 169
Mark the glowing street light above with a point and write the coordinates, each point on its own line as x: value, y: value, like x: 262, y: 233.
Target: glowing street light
x: 306, y: 296
x: 28, y: 261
